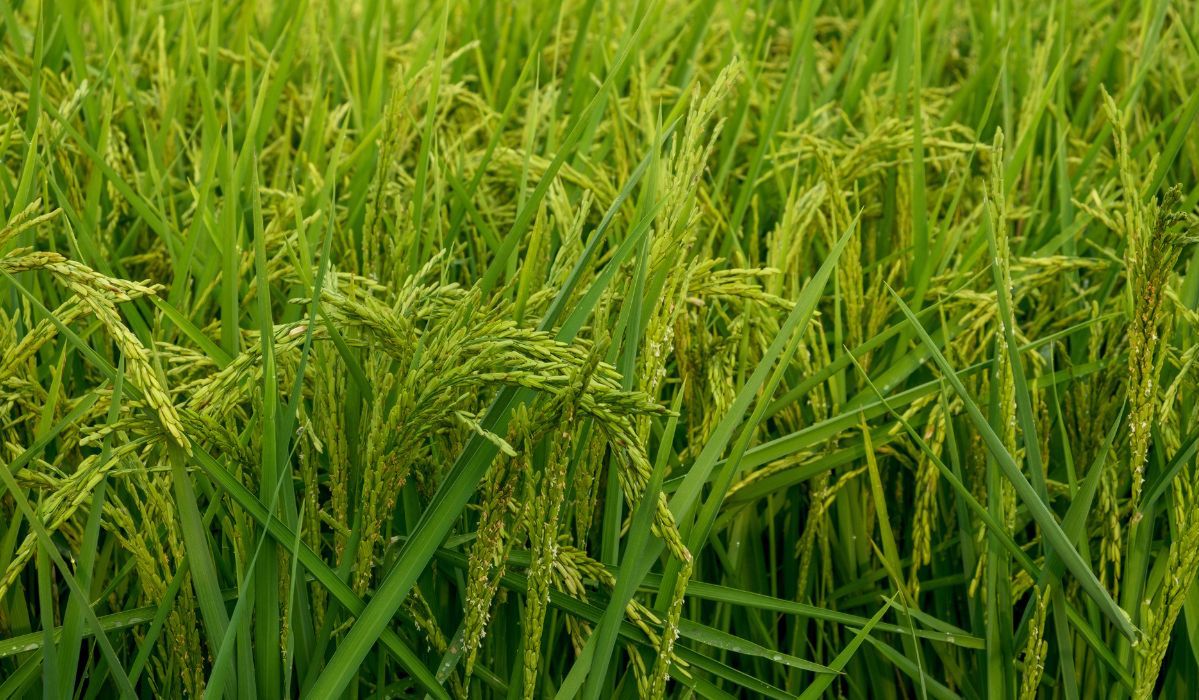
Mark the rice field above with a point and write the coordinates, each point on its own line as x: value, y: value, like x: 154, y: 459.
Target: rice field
x: 599, y: 349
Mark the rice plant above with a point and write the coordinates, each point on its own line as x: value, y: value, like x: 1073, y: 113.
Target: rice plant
x: 636, y: 348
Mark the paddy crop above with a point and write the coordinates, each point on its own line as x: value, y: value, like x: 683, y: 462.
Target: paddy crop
x: 635, y: 348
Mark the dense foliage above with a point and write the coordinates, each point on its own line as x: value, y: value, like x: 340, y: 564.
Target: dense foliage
x: 632, y: 348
